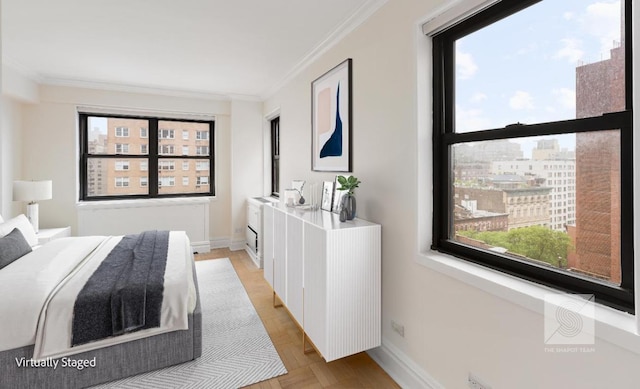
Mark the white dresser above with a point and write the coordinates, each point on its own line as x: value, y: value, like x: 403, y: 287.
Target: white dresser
x: 328, y: 275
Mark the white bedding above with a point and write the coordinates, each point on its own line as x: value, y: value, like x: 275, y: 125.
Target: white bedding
x: 38, y: 292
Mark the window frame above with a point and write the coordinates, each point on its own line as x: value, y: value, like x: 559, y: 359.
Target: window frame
x: 444, y: 137
x: 152, y: 157
x: 275, y: 156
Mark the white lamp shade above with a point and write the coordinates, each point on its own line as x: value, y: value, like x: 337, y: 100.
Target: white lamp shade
x: 32, y: 190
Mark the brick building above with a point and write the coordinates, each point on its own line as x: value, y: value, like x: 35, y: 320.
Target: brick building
x: 600, y: 88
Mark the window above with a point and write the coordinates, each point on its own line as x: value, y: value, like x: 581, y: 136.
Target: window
x: 122, y: 148
x: 202, y: 180
x: 167, y: 181
x: 151, y: 158
x: 122, y: 165
x: 166, y: 149
x: 202, y: 150
x: 166, y: 134
x: 275, y: 156
x: 122, y: 132
x: 122, y: 182
x: 167, y: 165
x: 492, y: 103
x: 185, y: 134
x: 202, y: 135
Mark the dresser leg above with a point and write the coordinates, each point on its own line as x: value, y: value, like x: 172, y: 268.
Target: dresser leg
x: 274, y: 301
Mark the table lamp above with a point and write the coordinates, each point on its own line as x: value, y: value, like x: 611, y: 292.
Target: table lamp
x: 32, y: 191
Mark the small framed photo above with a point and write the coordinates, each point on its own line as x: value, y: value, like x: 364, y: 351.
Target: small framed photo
x: 327, y: 195
x: 337, y: 196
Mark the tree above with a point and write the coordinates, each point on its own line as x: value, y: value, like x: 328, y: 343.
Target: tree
x: 534, y: 242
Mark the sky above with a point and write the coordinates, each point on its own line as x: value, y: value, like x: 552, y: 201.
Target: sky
x: 544, y: 43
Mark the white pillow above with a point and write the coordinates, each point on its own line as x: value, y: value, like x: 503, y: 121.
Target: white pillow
x: 22, y: 223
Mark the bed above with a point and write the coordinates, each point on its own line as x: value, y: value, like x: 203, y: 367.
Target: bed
x: 41, y: 335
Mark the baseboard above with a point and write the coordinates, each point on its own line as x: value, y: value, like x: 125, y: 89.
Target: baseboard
x: 257, y: 261
x: 200, y: 247
x: 219, y: 243
x: 238, y: 245
x: 401, y: 368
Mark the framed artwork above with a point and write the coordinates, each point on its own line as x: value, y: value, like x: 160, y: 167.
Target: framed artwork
x: 331, y: 120
x: 327, y: 195
x: 337, y: 196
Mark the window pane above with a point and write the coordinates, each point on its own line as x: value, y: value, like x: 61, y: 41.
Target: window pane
x: 177, y: 176
x: 556, y: 60
x: 117, y: 136
x: 552, y: 200
x: 116, y: 177
x: 183, y: 138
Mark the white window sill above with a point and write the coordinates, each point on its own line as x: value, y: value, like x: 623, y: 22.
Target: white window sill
x: 611, y: 325
x: 140, y: 203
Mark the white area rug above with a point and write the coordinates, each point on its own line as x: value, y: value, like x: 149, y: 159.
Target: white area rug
x: 236, y: 349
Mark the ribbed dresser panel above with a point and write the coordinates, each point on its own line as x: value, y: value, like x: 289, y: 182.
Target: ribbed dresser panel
x: 267, y: 239
x: 295, y: 244
x: 353, y: 291
x: 280, y: 255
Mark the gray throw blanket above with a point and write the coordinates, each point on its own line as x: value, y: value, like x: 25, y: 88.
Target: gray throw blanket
x: 124, y: 294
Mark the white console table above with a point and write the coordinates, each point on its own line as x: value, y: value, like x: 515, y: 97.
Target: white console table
x: 328, y: 275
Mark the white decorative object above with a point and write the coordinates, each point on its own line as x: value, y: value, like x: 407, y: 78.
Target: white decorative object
x: 32, y: 191
x: 328, y: 275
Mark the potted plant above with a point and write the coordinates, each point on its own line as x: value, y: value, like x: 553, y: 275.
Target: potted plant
x: 348, y: 200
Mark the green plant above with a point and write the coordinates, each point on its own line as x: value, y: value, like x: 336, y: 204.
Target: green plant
x: 348, y: 183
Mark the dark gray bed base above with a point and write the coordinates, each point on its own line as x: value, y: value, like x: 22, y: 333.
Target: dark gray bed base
x: 112, y: 363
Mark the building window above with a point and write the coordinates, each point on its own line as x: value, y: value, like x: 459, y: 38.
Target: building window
x: 275, y: 156
x: 185, y: 181
x: 167, y: 165
x: 202, y: 150
x: 166, y: 134
x: 494, y: 105
x: 122, y: 182
x: 122, y: 132
x: 102, y: 164
x: 202, y: 180
x: 122, y: 148
x: 202, y: 135
x: 122, y: 165
x: 166, y: 149
x: 185, y: 134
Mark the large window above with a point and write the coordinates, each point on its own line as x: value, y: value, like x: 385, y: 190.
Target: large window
x: 275, y: 156
x: 533, y: 144
x: 153, y: 157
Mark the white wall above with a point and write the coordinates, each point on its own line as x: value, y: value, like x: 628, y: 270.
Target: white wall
x: 10, y: 154
x: 451, y: 327
x: 50, y: 138
x: 246, y: 164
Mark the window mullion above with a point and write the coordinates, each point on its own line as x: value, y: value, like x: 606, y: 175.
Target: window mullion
x: 153, y: 183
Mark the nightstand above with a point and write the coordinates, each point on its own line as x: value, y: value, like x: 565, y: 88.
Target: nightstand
x: 48, y: 234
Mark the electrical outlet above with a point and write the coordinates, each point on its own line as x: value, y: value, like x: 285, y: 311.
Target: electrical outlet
x: 475, y: 383
x: 399, y: 328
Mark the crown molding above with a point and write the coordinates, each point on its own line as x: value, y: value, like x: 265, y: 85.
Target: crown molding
x: 131, y: 88
x: 354, y: 21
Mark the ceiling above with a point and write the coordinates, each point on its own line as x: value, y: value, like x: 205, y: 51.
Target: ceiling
x: 242, y: 48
